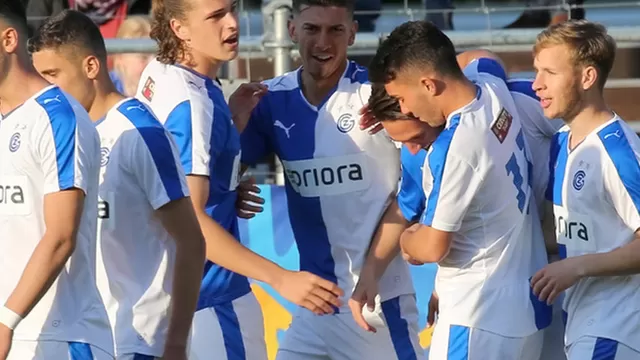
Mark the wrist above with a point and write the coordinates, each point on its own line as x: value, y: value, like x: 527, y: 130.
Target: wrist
x: 275, y: 276
x: 9, y: 318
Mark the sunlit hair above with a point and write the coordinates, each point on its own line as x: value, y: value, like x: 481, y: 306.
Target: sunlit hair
x: 588, y: 42
x: 170, y: 48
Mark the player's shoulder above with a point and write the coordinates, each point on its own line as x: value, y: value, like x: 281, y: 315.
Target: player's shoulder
x: 485, y: 69
x: 412, y: 162
x: 619, y: 139
x: 55, y: 108
x: 524, y: 87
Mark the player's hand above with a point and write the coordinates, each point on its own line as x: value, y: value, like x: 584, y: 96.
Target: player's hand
x: 248, y: 203
x: 406, y: 233
x: 6, y: 336
x: 174, y: 353
x: 364, y: 295
x: 367, y: 120
x: 434, y: 303
x: 244, y: 100
x: 309, y: 291
x: 555, y: 278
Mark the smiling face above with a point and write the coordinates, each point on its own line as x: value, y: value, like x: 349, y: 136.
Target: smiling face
x: 323, y: 34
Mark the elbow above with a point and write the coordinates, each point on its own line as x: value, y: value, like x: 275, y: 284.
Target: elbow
x: 433, y: 256
x: 62, y: 245
x: 194, y: 248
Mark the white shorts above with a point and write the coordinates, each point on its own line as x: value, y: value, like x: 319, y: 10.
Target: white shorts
x: 456, y: 342
x: 231, y: 331
x: 338, y: 336
x: 58, y: 350
x: 553, y: 347
x: 593, y: 348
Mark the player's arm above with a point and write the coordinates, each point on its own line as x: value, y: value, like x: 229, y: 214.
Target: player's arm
x: 243, y: 101
x: 548, y: 229
x: 474, y: 62
x: 455, y: 183
x: 154, y: 161
x: 66, y: 167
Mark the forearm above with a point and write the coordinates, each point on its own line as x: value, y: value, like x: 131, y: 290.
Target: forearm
x: 386, y: 241
x: 622, y: 261
x: 223, y: 249
x: 426, y: 244
x: 43, y: 268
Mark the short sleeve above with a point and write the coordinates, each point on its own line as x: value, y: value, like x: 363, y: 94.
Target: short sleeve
x: 190, y: 123
x: 455, y: 184
x: 254, y: 138
x: 66, y: 155
x: 485, y: 66
x: 411, y: 198
x: 154, y: 161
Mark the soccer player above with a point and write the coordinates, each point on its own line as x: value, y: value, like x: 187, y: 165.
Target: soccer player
x: 478, y: 221
x: 595, y: 191
x: 50, y: 307
x: 151, y: 249
x: 339, y: 182
x: 195, y: 38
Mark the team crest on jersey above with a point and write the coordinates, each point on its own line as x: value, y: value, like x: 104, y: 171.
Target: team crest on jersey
x: 14, y: 142
x: 578, y: 180
x: 104, y: 156
x: 148, y: 89
x: 502, y: 125
x: 346, y: 122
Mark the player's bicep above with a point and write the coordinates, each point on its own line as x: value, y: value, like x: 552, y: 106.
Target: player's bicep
x: 455, y: 183
x: 156, y: 164
x: 62, y: 213
x: 191, y: 126
x: 199, y: 190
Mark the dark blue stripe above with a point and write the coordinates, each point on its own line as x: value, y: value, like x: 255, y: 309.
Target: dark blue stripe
x: 80, y: 351
x: 437, y: 161
x: 562, y: 251
x: 231, y: 333
x: 458, y: 343
x: 493, y: 67
x: 557, y: 166
x: 179, y: 125
x: 63, y: 126
x: 624, y: 159
x: 524, y: 87
x: 155, y: 137
x: 411, y: 197
x: 143, y: 357
x: 543, y: 313
x: 399, y: 329
x: 605, y: 349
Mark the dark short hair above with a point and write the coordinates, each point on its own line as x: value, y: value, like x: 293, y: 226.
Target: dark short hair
x: 348, y: 4
x: 13, y: 11
x: 415, y: 44
x: 69, y: 27
x: 383, y: 106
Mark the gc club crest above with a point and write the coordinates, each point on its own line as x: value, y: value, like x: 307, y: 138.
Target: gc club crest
x: 346, y: 122
x: 14, y: 142
x: 104, y: 156
x: 578, y: 180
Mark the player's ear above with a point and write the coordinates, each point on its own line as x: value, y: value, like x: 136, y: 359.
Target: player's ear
x: 589, y: 77
x: 181, y: 31
x: 291, y: 26
x: 10, y: 39
x: 429, y: 85
x: 91, y: 66
x: 354, y: 30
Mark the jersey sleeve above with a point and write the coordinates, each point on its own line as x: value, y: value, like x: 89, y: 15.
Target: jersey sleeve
x: 485, y: 66
x: 66, y: 156
x: 191, y: 124
x: 410, y: 197
x: 622, y: 180
x: 154, y: 161
x: 455, y: 184
x: 255, y: 137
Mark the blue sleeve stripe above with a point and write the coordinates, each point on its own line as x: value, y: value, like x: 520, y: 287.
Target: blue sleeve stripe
x: 179, y: 125
x: 524, y: 87
x: 437, y: 161
x: 63, y: 126
x: 157, y: 142
x: 624, y: 159
x: 557, y: 167
x: 493, y: 67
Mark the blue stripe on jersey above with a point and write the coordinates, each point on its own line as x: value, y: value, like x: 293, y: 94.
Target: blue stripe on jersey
x: 179, y: 125
x: 63, y: 127
x: 543, y: 313
x: 399, y: 329
x: 491, y: 66
x: 231, y: 332
x: 155, y: 137
x: 80, y: 351
x: 524, y: 87
x: 411, y: 197
x: 143, y: 357
x: 557, y: 167
x: 437, y: 161
x: 458, y: 342
x: 605, y: 349
x: 624, y: 159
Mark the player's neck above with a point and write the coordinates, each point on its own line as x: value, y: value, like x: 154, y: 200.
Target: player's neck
x: 106, y: 98
x: 591, y: 115
x: 459, y: 93
x: 202, y: 66
x: 315, y: 90
x: 20, y: 84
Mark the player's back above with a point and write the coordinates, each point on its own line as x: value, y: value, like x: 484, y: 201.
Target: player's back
x: 192, y: 107
x: 496, y: 246
x: 136, y: 254
x: 595, y: 198
x: 339, y: 179
x: 49, y: 145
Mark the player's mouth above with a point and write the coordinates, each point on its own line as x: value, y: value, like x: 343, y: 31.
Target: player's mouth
x: 545, y: 102
x: 232, y: 40
x: 323, y: 59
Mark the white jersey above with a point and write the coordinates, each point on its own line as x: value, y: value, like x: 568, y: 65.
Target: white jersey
x: 474, y: 182
x: 49, y: 145
x: 339, y: 179
x: 140, y: 172
x: 595, y: 189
